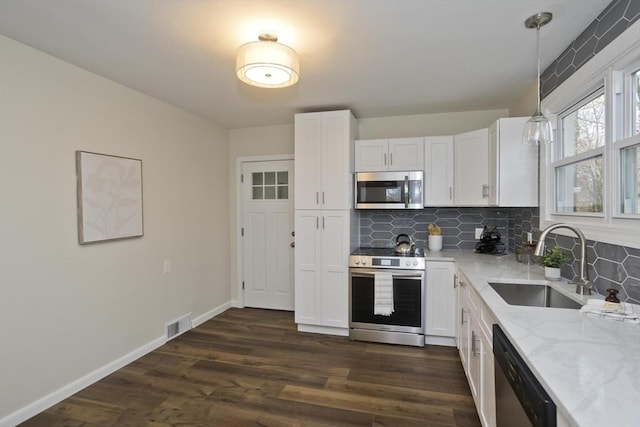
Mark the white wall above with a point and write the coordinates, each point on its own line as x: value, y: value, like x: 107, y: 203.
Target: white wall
x: 67, y: 310
x: 250, y: 142
x: 525, y: 106
x: 427, y: 124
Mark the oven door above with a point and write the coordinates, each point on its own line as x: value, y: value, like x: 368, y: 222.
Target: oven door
x: 408, y: 300
x: 389, y: 190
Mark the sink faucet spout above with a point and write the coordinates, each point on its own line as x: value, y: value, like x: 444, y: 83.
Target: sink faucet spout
x: 582, y: 281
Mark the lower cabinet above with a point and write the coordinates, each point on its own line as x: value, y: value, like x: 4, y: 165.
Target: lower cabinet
x: 440, y: 313
x: 476, y: 350
x: 321, y: 270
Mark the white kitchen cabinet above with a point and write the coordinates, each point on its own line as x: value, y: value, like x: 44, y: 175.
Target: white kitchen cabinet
x: 513, y: 166
x: 471, y: 171
x: 401, y: 154
x: 440, y: 316
x: 321, y: 267
x: 438, y: 171
x: 323, y: 158
x: 476, y: 351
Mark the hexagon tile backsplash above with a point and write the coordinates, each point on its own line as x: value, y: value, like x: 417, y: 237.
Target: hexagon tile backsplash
x: 609, y: 266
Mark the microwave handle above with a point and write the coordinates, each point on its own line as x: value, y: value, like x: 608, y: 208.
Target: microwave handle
x: 406, y: 191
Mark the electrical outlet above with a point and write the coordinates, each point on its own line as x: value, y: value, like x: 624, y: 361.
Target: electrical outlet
x: 166, y: 266
x: 479, y: 233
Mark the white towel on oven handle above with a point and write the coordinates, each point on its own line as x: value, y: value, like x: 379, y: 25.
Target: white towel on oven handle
x: 383, y: 294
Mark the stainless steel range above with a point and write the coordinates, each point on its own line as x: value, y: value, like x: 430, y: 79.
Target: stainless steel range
x: 386, y: 296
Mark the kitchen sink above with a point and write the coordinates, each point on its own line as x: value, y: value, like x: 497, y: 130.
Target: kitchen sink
x: 533, y: 295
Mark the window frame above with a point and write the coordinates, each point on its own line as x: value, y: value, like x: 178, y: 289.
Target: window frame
x: 610, y: 68
x: 593, y: 153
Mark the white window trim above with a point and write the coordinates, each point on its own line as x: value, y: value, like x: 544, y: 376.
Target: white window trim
x: 618, y: 230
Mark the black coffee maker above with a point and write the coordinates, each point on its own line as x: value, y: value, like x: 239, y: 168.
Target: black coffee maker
x: 490, y: 241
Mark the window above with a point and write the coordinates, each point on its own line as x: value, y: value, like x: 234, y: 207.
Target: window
x: 579, y: 169
x: 590, y: 177
x: 630, y: 179
x: 635, y: 94
x: 270, y: 185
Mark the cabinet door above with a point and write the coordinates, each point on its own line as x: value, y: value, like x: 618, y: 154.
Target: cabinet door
x: 441, y: 305
x: 406, y: 154
x: 471, y: 168
x: 308, y: 145
x: 464, y: 334
x: 513, y: 166
x: 438, y: 171
x: 473, y: 373
x: 308, y: 269
x: 337, y: 185
x: 487, y: 381
x: 335, y: 268
x: 371, y: 155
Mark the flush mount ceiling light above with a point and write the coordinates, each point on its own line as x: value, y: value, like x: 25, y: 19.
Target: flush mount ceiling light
x: 538, y: 128
x: 267, y: 63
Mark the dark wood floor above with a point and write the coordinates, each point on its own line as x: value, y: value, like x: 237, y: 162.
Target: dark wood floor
x: 249, y: 367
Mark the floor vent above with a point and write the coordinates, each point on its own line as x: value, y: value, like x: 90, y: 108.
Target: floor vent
x: 178, y: 326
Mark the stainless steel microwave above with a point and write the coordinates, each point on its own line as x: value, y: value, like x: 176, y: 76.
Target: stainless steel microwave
x: 389, y: 190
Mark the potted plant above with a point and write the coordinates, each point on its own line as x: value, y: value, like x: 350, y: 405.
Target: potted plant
x: 552, y: 260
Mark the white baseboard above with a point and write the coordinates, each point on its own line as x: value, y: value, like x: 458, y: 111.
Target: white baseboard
x: 59, y: 395
x: 435, y: 340
x: 70, y: 389
x: 197, y: 321
x: 344, y: 332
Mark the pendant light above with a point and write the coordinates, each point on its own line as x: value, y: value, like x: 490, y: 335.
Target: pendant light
x: 538, y: 130
x: 267, y: 63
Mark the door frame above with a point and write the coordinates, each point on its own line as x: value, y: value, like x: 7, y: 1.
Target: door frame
x: 240, y: 161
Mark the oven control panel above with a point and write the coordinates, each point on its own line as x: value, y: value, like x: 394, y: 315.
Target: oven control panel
x: 398, y: 263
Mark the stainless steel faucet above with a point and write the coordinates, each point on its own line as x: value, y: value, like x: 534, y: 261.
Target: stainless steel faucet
x: 582, y: 282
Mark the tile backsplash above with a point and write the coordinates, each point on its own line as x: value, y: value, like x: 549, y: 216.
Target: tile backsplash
x: 379, y: 228
x: 609, y: 266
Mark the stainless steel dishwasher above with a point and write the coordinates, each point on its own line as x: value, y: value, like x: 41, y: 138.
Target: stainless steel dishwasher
x: 520, y: 398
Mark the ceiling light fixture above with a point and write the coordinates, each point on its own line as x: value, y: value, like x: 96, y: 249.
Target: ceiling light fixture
x: 538, y: 130
x: 267, y: 63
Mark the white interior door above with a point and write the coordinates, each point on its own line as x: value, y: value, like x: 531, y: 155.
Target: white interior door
x: 268, y: 227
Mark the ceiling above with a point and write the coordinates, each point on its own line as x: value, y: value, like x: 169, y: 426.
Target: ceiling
x: 376, y: 57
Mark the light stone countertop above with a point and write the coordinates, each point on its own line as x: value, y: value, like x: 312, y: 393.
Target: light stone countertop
x: 590, y: 366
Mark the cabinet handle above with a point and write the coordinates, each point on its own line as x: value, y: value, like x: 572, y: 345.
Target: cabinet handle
x: 455, y: 280
x: 485, y: 191
x: 475, y: 348
x: 385, y: 159
x: 323, y: 197
x: 462, y: 311
x: 323, y: 223
x: 390, y: 158
x: 450, y: 193
x: 473, y: 343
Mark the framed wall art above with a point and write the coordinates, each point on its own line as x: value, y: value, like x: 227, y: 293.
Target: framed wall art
x: 109, y: 197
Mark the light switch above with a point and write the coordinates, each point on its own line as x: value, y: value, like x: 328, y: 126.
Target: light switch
x: 166, y: 266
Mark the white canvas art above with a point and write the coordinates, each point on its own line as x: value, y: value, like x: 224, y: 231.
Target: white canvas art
x: 109, y: 197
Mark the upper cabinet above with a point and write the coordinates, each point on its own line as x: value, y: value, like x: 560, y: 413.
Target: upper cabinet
x: 513, y: 166
x: 438, y: 171
x: 402, y: 154
x: 324, y: 153
x: 471, y: 153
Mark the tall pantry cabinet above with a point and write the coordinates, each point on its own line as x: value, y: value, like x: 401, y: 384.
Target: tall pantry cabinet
x: 325, y: 222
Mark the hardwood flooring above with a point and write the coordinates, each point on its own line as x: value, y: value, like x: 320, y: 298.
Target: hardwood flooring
x: 250, y: 367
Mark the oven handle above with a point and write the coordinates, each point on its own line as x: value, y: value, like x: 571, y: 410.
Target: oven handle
x: 394, y: 273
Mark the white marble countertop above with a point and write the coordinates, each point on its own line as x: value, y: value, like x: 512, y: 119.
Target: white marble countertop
x: 590, y: 366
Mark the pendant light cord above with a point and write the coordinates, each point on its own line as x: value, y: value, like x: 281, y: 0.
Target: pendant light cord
x: 538, y: 112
